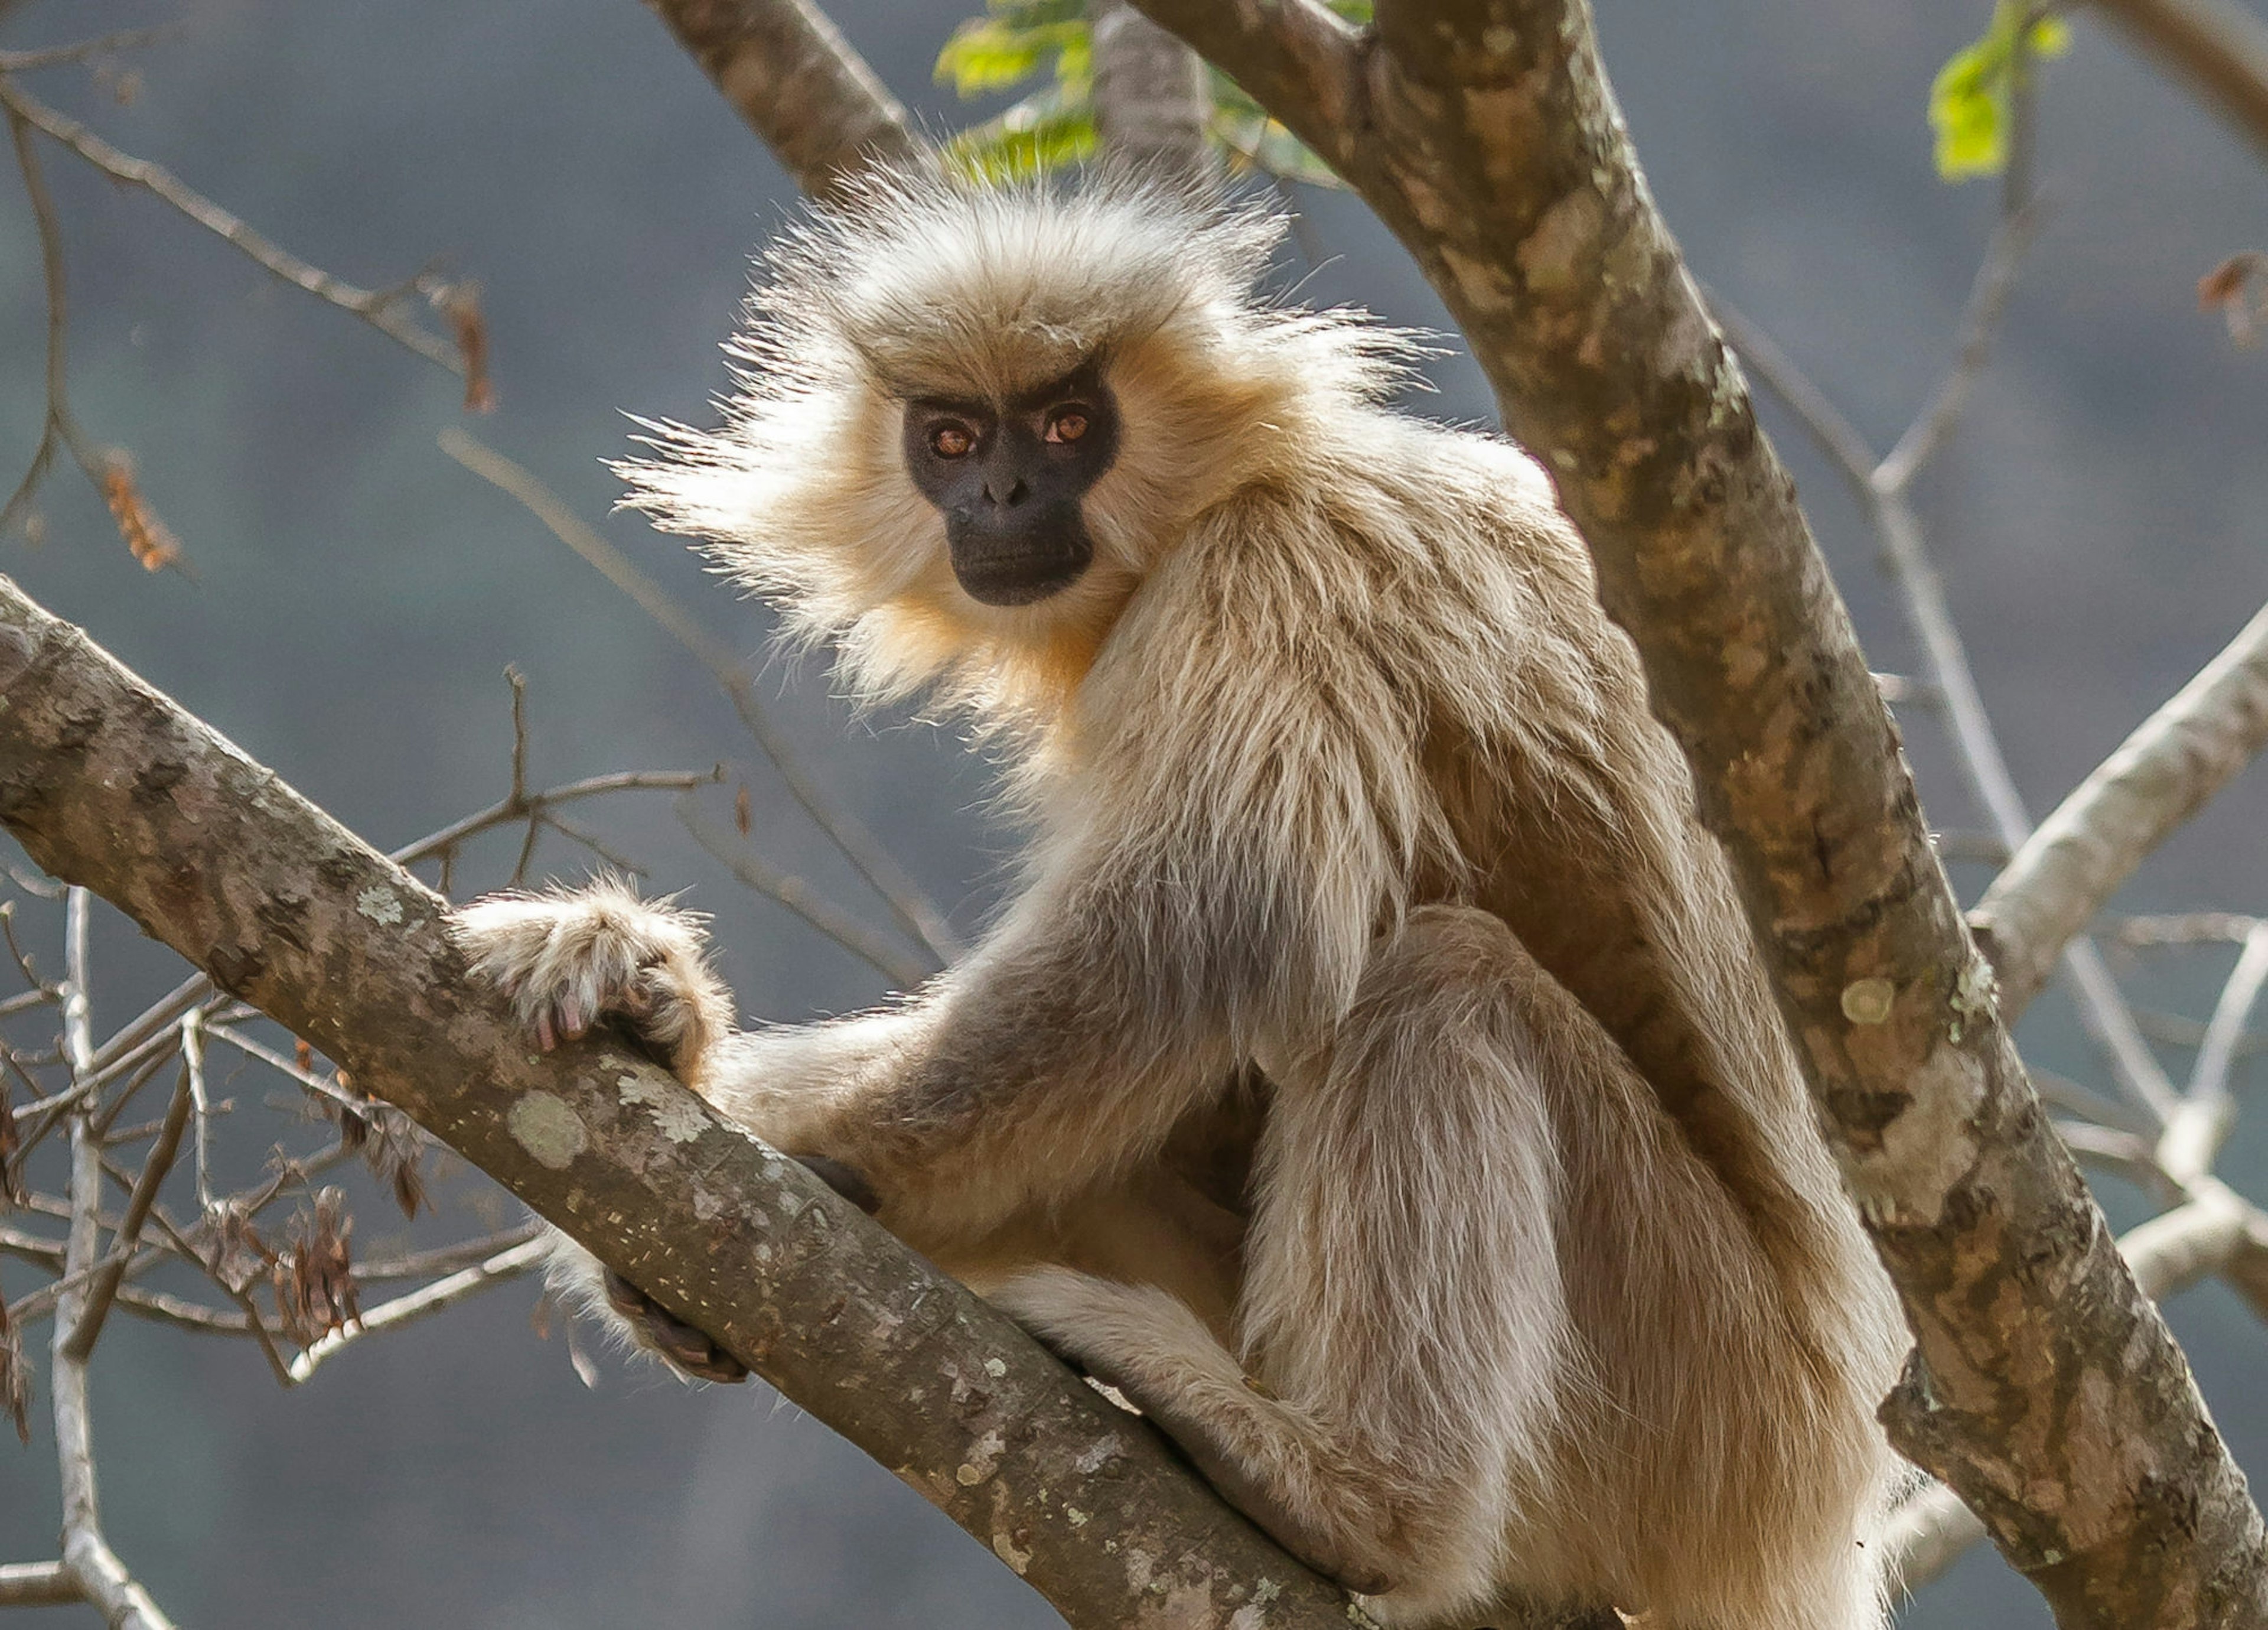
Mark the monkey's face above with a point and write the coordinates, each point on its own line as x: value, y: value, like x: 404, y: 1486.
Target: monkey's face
x: 1010, y: 479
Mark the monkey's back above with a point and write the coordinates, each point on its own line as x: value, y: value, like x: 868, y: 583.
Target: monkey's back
x: 1439, y: 615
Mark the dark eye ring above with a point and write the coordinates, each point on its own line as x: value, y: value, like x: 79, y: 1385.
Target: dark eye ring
x: 1067, y: 424
x: 952, y: 441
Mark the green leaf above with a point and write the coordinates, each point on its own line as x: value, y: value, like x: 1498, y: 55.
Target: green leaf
x: 1048, y: 130
x: 1018, y: 40
x: 1969, y: 99
x: 988, y: 54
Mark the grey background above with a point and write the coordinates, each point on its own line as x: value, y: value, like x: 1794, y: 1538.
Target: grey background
x: 2100, y: 522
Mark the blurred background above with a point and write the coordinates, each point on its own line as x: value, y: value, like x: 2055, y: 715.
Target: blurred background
x: 2101, y: 520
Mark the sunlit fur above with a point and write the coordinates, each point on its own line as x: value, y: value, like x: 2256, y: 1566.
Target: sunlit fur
x: 1333, y: 766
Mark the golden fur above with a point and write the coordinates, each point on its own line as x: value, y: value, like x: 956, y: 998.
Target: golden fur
x: 1335, y: 769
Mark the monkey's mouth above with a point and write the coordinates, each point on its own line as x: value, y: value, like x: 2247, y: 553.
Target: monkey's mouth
x: 996, y: 570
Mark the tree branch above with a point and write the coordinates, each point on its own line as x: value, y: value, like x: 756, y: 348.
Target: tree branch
x: 2216, y: 44
x: 797, y: 82
x: 110, y: 785
x: 2159, y: 777
x: 2045, y: 1387
x: 1152, y: 100
x: 2169, y: 1254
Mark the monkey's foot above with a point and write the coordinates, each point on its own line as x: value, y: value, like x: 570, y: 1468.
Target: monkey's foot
x: 1154, y: 1352
x: 688, y: 1349
x: 573, y: 962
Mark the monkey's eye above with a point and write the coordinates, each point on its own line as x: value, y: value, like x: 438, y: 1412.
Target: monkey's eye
x: 952, y: 441
x: 1066, y: 424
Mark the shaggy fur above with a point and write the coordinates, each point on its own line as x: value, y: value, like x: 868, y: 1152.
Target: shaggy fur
x: 1335, y: 769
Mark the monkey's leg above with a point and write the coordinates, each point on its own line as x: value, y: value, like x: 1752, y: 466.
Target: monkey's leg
x: 1405, y: 1328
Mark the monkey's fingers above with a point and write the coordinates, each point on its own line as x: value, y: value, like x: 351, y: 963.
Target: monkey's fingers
x: 686, y: 1348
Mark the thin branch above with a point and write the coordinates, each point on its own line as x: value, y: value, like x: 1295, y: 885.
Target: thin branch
x: 2220, y: 47
x: 38, y: 1584
x: 105, y: 1285
x: 383, y: 309
x: 805, y: 902
x: 422, y: 1303
x: 58, y: 428
x: 443, y: 1259
x: 791, y: 76
x: 102, y: 1578
x: 1988, y: 299
x: 2187, y: 928
x: 84, y: 50
x: 2194, y: 1137
x: 919, y: 916
x: 507, y: 812
x: 2135, y: 799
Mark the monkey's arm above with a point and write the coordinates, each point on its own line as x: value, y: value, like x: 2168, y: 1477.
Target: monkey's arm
x: 1208, y: 877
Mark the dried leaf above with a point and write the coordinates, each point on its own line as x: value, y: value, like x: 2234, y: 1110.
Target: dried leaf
x: 12, y: 1179
x: 239, y: 1255
x: 314, y: 1277
x: 2228, y: 288
x: 460, y: 304
x: 741, y: 814
x: 15, y: 1377
x: 152, y: 542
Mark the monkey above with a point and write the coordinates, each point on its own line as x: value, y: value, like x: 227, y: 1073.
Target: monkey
x: 1544, y: 1284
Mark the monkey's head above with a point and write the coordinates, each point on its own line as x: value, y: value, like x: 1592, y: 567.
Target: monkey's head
x: 970, y: 419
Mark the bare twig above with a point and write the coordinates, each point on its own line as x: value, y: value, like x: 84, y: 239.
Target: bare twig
x: 82, y: 50
x: 422, y: 1303
x: 805, y: 902
x: 2159, y: 777
x: 905, y: 899
x: 2187, y: 928
x: 540, y: 804
x: 447, y: 1258
x: 38, y: 1584
x: 386, y: 310
x: 2216, y: 44
x: 2193, y: 1138
x: 59, y: 428
x: 102, y: 1578
x: 104, y: 1286
x: 1988, y: 299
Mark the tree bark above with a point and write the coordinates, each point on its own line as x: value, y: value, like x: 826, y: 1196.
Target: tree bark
x: 2045, y: 1387
x: 2161, y: 776
x: 799, y: 85
x: 110, y: 785
x: 1151, y: 97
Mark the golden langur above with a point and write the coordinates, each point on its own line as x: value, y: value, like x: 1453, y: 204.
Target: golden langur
x: 1336, y: 778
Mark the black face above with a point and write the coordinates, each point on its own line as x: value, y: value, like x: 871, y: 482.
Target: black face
x: 1009, y: 480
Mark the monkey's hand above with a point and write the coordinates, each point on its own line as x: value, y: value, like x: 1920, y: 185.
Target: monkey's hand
x: 601, y: 957
x: 573, y: 962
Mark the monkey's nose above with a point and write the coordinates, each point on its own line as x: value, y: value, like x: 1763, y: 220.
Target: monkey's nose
x: 1017, y: 493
